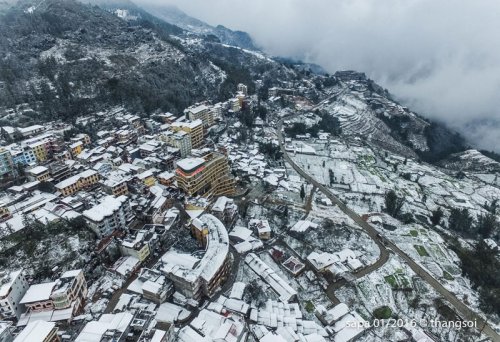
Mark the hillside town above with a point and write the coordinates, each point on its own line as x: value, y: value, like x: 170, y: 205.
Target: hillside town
x: 225, y: 224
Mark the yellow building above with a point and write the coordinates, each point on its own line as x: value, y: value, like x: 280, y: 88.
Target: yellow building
x: 193, y: 128
x: 147, y: 178
x: 40, y: 173
x: 76, y: 148
x: 73, y: 184
x: 40, y: 150
x: 207, y: 176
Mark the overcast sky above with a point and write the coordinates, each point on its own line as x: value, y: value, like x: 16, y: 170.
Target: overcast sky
x: 441, y: 57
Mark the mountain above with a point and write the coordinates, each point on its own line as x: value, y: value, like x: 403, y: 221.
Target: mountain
x: 66, y: 58
x: 177, y: 17
x: 365, y: 109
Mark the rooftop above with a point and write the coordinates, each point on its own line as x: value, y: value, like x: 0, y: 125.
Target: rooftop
x: 38, y: 292
x: 189, y: 164
x: 107, y: 207
x: 35, y: 331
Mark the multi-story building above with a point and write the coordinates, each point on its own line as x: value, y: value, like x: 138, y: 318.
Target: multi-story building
x: 59, y: 171
x: 207, y: 176
x: 137, y: 246
x: 225, y: 210
x: 152, y: 285
x: 113, y: 213
x: 37, y: 298
x: 78, y: 182
x: 39, y: 331
x: 147, y: 178
x: 76, y: 148
x: 6, y: 163
x: 194, y: 277
x: 193, y: 128
x: 20, y: 155
x: 39, y: 173
x: 180, y: 140
x: 201, y: 112
x: 243, y: 89
x: 40, y: 150
x: 116, y: 184
x: 70, y: 289
x: 13, y: 287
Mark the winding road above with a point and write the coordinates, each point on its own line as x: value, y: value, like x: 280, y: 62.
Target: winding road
x: 385, y: 245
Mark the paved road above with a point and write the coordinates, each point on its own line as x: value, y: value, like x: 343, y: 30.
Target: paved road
x: 384, y: 244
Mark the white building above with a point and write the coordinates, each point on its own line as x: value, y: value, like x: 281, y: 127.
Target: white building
x: 14, y: 286
x: 111, y: 214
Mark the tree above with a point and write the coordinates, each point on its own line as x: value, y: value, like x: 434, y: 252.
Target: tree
x: 436, y: 217
x: 332, y: 176
x: 486, y: 225
x: 302, y: 192
x: 46, y: 187
x: 460, y: 220
x: 393, y: 203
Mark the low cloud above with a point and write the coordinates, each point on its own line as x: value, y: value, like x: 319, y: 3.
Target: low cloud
x: 442, y: 58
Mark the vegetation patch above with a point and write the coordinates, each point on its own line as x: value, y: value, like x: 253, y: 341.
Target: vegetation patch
x: 421, y: 250
x: 383, y: 312
x: 309, y: 306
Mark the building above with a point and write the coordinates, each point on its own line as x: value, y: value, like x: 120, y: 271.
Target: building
x: 39, y: 173
x: 109, y: 327
x: 38, y: 331
x: 207, y: 176
x: 166, y: 178
x: 40, y: 150
x: 138, y: 246
x: 59, y: 171
x: 225, y: 210
x: 78, y: 182
x: 30, y: 130
x: 22, y: 155
x: 180, y: 140
x: 70, y: 289
x: 113, y: 213
x: 37, y: 298
x: 152, y: 285
x: 6, y: 163
x: 76, y: 148
x: 261, y: 228
x: 200, y: 112
x: 116, y: 184
x: 193, y: 128
x: 14, y: 286
x: 195, y: 277
x: 147, y: 178
x: 243, y: 89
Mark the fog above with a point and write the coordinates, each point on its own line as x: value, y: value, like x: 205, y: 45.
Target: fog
x: 442, y: 58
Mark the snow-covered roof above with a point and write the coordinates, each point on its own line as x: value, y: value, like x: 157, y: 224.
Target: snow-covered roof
x: 94, y: 331
x: 38, y: 292
x: 7, y: 282
x: 35, y: 331
x: 190, y: 268
x: 72, y: 180
x: 278, y: 284
x: 37, y: 170
x: 107, y: 207
x: 188, y: 164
